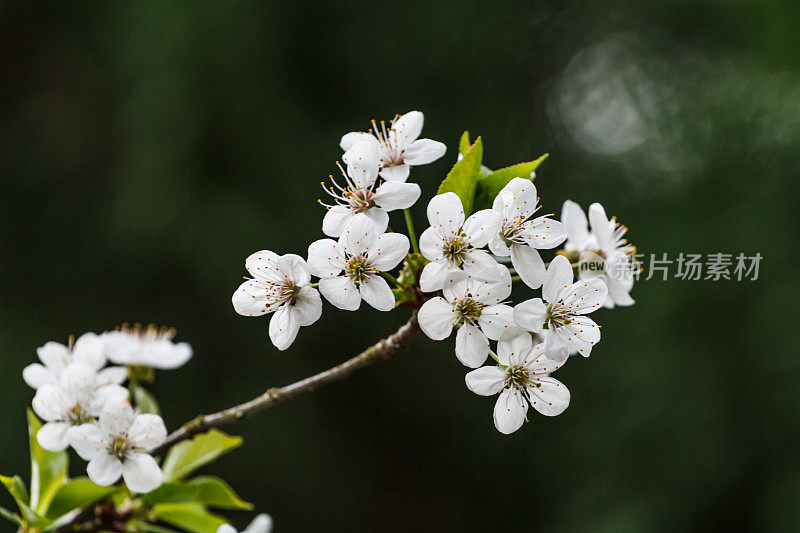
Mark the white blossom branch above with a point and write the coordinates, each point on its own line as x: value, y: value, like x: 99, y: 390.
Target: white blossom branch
x: 379, y: 351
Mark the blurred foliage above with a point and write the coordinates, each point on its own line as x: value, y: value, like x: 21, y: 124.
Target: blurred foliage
x: 148, y: 148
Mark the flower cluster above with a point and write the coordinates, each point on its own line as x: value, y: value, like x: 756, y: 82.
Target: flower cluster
x: 461, y: 273
x: 84, y: 405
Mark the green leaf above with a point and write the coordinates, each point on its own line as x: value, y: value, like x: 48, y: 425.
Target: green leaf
x: 48, y: 469
x: 16, y: 487
x: 214, y: 492
x: 491, y: 184
x: 11, y: 517
x: 187, y: 456
x: 149, y: 528
x: 172, y: 492
x: 463, y: 177
x: 463, y: 143
x: 75, y: 494
x: 145, y: 400
x: 191, y: 517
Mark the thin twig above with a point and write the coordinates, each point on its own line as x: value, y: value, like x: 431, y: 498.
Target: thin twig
x: 379, y: 351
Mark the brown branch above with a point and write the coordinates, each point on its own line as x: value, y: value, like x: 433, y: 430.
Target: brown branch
x: 379, y: 351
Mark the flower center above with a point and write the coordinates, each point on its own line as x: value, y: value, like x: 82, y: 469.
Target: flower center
x: 467, y: 309
x: 517, y: 377
x: 556, y: 316
x: 508, y: 233
x: 360, y: 199
x: 120, y: 447
x: 358, y: 269
x: 289, y: 291
x: 454, y: 249
x: 78, y: 415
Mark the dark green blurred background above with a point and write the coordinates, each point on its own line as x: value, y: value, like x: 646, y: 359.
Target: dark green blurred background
x: 147, y: 148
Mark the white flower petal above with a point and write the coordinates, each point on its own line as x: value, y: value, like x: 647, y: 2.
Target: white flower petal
x: 283, y: 327
x: 379, y: 217
x: 101, y: 396
x: 88, y: 349
x: 498, y: 247
x: 325, y: 258
x: 308, y: 305
x: 585, y: 296
x: 167, y: 355
x: 376, y: 292
x: 295, y: 269
x: 495, y: 291
x: 349, y: 139
x: 510, y: 411
x: 260, y: 524
x: 407, y: 128
x: 531, y: 314
x: 543, y: 233
x: 513, y: 347
x: 602, y: 227
x: 576, y: 225
x: 557, y: 278
x: 580, y: 335
x: 548, y: 396
x: 423, y: 151
x: 250, y: 299
x: 388, y: 250
x: 481, y: 227
x: 53, y: 436
x: 341, y: 292
x: 436, y: 318
x: 482, y: 267
x: 359, y: 236
x: 486, y: 381
x: 529, y: 265
x: 49, y: 402
x: 396, y: 173
x: 116, y: 416
x: 537, y: 362
x: 362, y: 163
x: 263, y: 265
x: 104, y: 469
x: 336, y: 219
x: 227, y: 528
x: 112, y: 375
x: 433, y: 277
x: 393, y: 195
x: 430, y: 245
x: 456, y: 285
x: 88, y: 441
x: 78, y: 382
x: 141, y: 473
x: 147, y: 431
x: 36, y: 375
x: 555, y: 346
x: 496, y: 320
x: 446, y: 214
x: 54, y: 356
x: 517, y: 201
x: 472, y: 346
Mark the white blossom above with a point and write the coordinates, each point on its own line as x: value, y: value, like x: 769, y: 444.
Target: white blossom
x: 399, y: 145
x: 89, y: 349
x: 349, y: 269
x: 617, y: 257
x: 260, y: 524
x: 117, y: 445
x: 520, y: 237
x: 280, y: 286
x: 73, y: 400
x: 146, y: 346
x: 359, y: 193
x: 473, y: 305
x: 452, y: 243
x: 559, y: 317
x: 574, y: 220
x: 522, y: 378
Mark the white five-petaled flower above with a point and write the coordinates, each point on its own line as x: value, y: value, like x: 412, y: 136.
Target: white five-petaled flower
x: 146, y: 346
x: 117, y: 445
x: 399, y: 145
x: 616, y: 254
x: 522, y: 378
x: 559, y: 318
x: 574, y: 220
x: 349, y: 269
x: 55, y: 357
x: 520, y: 237
x: 260, y: 524
x: 359, y: 194
x: 452, y: 243
x: 279, y: 285
x: 71, y: 401
x: 475, y: 306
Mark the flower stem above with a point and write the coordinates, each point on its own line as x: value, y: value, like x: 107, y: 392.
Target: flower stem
x: 514, y: 279
x: 494, y: 356
x: 411, y: 233
x: 391, y: 278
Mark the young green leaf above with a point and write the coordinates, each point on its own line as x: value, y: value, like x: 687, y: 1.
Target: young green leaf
x: 463, y: 143
x: 16, y: 487
x: 491, y: 184
x: 75, y: 494
x: 48, y: 469
x: 463, y: 177
x: 214, y: 492
x: 187, y: 456
x: 145, y: 400
x: 11, y: 517
x: 191, y: 517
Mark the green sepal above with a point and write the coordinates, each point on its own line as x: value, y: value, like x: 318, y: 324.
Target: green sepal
x: 187, y: 456
x: 490, y: 185
x: 464, y: 176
